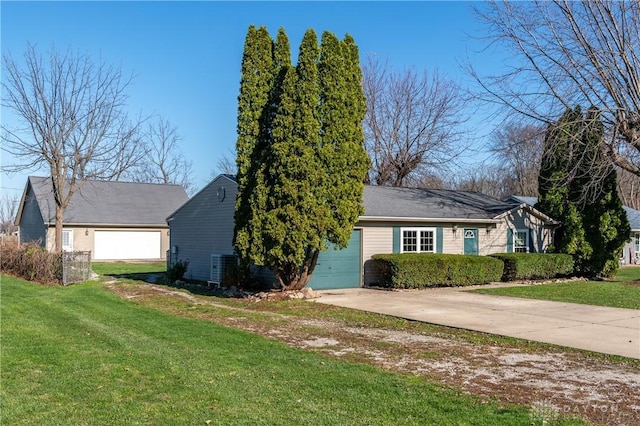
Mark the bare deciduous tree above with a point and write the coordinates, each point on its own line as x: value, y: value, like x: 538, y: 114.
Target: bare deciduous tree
x: 629, y: 189
x: 518, y: 147
x: 226, y: 164
x: 8, y: 210
x: 72, y: 121
x: 413, y: 123
x: 494, y: 180
x: 570, y: 53
x: 161, y: 159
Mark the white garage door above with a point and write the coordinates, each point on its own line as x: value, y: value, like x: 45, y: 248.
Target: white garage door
x: 123, y: 245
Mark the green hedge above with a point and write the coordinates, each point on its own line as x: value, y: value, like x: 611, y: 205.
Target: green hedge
x: 530, y: 266
x: 420, y: 270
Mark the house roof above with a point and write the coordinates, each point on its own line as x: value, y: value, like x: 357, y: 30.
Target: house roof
x: 634, y: 218
x: 384, y: 203
x: 404, y: 203
x: 632, y: 214
x: 109, y: 203
x: 531, y: 201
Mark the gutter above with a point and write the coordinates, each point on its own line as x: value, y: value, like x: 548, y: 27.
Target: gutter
x: 425, y: 219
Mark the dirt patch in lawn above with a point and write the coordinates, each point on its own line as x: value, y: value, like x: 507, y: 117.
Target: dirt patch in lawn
x: 551, y: 380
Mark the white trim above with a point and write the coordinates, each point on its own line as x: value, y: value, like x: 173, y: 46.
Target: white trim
x: 419, y: 230
x: 69, y: 246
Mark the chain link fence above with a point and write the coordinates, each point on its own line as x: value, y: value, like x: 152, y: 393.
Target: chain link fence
x: 76, y: 267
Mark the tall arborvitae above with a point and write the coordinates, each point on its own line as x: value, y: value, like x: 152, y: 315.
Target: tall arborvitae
x: 342, y: 109
x: 554, y: 184
x: 301, y: 161
x: 293, y: 221
x: 605, y: 222
x: 255, y: 89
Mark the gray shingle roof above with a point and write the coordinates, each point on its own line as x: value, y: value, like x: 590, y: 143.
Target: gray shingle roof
x: 522, y: 199
x: 634, y: 218
x: 632, y: 214
x: 100, y: 202
x: 389, y: 202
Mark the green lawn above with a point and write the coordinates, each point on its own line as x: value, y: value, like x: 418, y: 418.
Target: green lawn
x: 81, y: 355
x: 623, y: 291
x: 127, y: 268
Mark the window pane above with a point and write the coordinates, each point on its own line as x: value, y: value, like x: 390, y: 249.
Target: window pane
x: 410, y: 240
x: 426, y: 241
x: 520, y: 242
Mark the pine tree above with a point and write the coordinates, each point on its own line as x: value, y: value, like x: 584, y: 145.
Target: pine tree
x: 605, y: 222
x: 555, y: 189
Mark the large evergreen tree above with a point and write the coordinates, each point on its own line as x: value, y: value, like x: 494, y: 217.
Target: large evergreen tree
x: 256, y: 85
x: 605, y: 222
x: 307, y: 162
x: 594, y: 226
x: 561, y: 140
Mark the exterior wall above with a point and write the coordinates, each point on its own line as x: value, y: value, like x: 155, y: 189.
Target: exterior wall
x: 83, y: 237
x: 629, y: 255
x: 377, y: 237
x: 203, y: 226
x: 32, y: 227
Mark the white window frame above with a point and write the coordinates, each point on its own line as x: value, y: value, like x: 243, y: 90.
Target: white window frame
x: 419, y: 231
x: 636, y: 245
x: 526, y: 241
x: 69, y: 246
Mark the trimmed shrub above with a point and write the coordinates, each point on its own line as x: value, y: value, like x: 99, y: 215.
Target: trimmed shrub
x: 534, y: 266
x: 420, y: 270
x: 31, y: 262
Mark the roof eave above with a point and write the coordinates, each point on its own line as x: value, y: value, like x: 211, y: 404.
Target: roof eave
x: 425, y: 219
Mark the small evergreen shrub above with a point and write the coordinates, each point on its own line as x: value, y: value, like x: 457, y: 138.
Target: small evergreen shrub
x: 177, y: 271
x: 420, y: 270
x: 533, y: 266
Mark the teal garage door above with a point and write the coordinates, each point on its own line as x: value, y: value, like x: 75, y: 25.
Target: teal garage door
x: 339, y: 268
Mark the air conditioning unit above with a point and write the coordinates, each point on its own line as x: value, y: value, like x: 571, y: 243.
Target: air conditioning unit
x: 220, y: 264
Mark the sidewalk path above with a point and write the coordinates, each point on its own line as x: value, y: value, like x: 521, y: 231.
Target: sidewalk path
x: 600, y: 329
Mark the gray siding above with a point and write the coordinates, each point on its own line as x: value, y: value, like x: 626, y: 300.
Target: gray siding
x: 203, y: 226
x: 32, y: 227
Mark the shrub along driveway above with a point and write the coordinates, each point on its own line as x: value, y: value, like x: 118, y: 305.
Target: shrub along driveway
x: 612, y: 331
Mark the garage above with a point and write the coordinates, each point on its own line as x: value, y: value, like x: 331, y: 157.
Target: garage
x: 339, y: 268
x: 127, y: 245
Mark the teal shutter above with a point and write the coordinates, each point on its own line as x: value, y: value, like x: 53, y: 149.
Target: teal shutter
x: 532, y: 245
x: 509, y: 240
x: 396, y: 239
x: 439, y: 239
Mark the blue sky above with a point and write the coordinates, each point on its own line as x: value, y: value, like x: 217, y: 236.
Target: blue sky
x: 186, y: 55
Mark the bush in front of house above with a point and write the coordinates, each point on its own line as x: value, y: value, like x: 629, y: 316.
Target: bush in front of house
x: 177, y: 270
x: 421, y: 270
x: 533, y: 266
x: 31, y: 262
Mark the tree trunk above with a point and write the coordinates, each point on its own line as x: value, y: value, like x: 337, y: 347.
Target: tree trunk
x: 293, y: 277
x: 59, y: 223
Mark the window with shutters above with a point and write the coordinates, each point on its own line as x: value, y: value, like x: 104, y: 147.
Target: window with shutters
x: 418, y: 240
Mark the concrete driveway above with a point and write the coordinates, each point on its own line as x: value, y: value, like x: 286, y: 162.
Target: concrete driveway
x: 600, y: 329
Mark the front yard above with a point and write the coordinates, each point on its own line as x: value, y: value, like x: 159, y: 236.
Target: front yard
x: 83, y: 355
x: 623, y: 291
x: 130, y: 352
